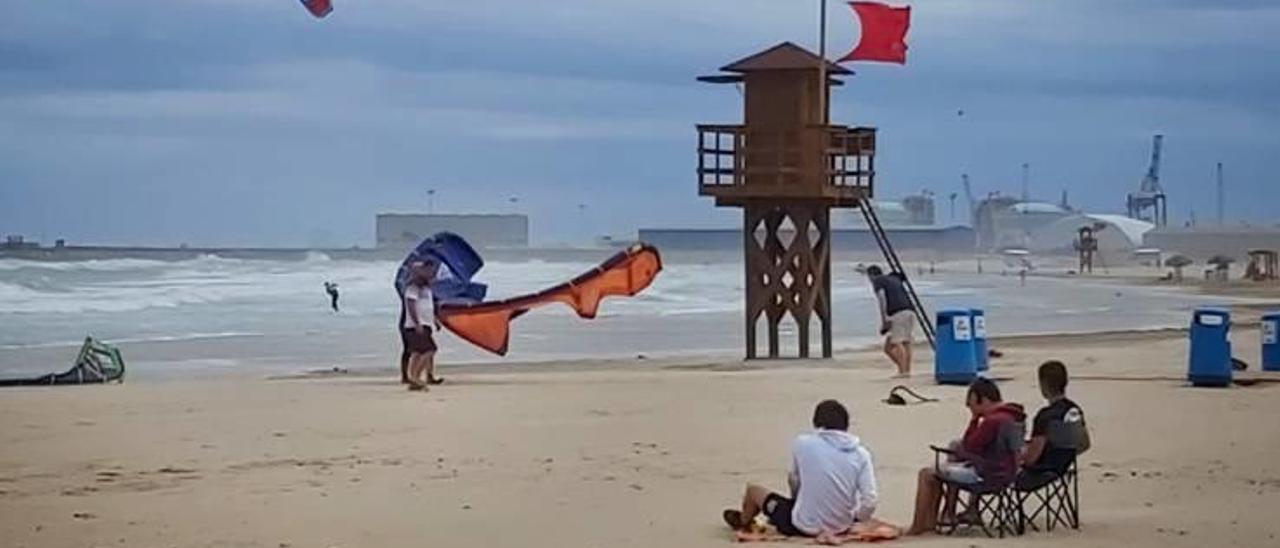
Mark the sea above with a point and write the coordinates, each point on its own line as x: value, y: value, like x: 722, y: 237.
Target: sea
x: 213, y: 315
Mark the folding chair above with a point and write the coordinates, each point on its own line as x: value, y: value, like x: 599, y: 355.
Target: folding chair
x: 1054, y: 495
x: 993, y: 504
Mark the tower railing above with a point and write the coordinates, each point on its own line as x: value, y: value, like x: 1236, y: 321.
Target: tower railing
x: 735, y: 161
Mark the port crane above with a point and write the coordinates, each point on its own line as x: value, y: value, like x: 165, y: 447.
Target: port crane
x: 1149, y: 202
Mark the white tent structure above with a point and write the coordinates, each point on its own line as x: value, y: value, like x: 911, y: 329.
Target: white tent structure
x: 1115, y: 233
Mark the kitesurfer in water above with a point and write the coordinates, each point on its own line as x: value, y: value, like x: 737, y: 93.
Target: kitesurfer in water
x: 332, y: 289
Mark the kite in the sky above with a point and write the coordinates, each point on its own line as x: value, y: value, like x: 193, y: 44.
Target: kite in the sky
x: 318, y: 8
x: 487, y: 324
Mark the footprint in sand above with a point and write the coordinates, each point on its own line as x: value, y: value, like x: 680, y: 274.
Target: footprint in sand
x: 174, y: 470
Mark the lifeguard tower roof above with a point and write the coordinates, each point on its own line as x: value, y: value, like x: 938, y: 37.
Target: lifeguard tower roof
x: 784, y: 56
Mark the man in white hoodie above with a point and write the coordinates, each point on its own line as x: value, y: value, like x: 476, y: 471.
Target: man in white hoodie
x: 833, y: 483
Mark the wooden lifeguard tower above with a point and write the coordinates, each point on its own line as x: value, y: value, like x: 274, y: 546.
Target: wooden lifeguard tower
x: 1264, y: 265
x: 786, y: 167
x: 1086, y: 247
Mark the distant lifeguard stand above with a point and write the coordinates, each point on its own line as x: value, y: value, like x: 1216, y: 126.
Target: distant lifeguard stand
x: 786, y: 167
x: 1087, y: 247
x: 1264, y: 265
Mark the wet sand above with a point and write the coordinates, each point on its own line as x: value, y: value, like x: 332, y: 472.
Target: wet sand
x: 624, y: 453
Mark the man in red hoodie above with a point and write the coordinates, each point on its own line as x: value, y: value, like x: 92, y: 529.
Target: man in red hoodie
x: 987, y: 454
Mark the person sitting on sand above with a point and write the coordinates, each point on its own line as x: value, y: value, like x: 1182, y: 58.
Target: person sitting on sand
x: 897, y: 317
x: 419, y: 317
x: 1059, y: 432
x: 833, y: 483
x: 987, y: 453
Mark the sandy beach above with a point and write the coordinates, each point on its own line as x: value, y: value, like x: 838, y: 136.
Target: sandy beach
x: 642, y: 453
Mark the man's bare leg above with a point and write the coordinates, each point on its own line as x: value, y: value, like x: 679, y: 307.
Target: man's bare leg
x: 928, y: 495
x: 897, y: 353
x: 891, y: 351
x: 752, y: 504
x: 416, y: 366
x: 419, y: 375
x: 405, y: 355
x: 429, y: 364
x: 906, y: 359
x: 949, y: 506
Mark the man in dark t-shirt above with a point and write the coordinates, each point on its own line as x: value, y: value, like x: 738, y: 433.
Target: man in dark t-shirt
x: 1059, y: 432
x: 897, y: 317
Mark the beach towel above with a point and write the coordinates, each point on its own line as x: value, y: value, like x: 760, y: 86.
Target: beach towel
x: 870, y: 531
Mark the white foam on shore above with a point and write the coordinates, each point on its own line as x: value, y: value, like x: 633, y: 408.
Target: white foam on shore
x: 133, y: 340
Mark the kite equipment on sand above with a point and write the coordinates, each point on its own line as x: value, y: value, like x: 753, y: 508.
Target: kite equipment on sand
x: 97, y: 363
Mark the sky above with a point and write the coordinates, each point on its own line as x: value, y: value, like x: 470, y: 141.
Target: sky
x: 248, y: 122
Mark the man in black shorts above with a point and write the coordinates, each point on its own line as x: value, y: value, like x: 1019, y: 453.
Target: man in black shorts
x: 405, y: 352
x: 419, y: 317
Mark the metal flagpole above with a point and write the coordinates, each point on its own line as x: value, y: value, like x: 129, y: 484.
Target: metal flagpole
x: 822, y: 63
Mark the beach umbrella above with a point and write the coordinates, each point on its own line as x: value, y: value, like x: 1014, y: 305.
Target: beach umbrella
x: 1177, y: 263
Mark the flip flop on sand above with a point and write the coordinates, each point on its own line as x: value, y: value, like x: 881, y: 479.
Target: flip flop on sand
x: 435, y: 380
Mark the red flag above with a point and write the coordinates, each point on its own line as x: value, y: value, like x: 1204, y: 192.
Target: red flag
x: 884, y: 33
x: 318, y: 8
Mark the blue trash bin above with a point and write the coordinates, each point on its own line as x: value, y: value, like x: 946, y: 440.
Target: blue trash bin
x: 978, y: 318
x: 953, y: 360
x: 1271, y: 341
x: 1210, y: 363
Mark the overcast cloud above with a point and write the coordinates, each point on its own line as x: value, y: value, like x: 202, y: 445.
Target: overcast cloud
x: 237, y: 122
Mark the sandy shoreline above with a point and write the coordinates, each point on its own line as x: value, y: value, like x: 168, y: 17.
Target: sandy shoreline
x: 623, y: 455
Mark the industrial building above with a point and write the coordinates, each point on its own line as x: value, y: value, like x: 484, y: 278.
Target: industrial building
x: 909, y: 223
x: 1113, y: 233
x: 1004, y: 222
x: 905, y: 238
x: 913, y: 210
x: 403, y: 231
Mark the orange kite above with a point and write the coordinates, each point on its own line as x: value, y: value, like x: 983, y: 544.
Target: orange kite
x: 488, y: 324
